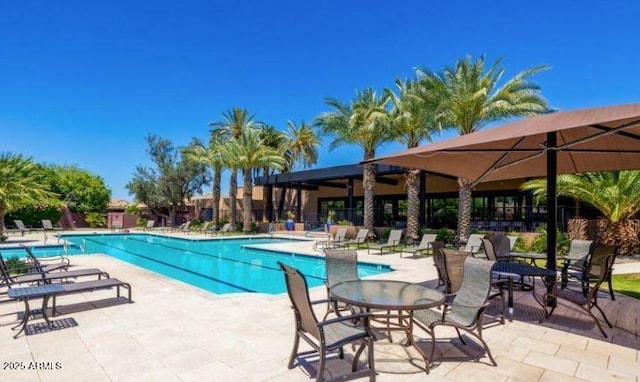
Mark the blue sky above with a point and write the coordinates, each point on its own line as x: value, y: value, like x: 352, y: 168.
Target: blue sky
x: 83, y: 82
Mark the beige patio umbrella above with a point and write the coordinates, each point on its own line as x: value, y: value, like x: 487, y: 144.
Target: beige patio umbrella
x: 597, y: 139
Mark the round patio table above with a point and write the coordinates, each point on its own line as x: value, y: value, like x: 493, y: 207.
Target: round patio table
x: 389, y: 295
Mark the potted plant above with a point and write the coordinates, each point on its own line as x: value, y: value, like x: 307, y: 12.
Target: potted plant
x: 290, y: 224
x: 330, y: 216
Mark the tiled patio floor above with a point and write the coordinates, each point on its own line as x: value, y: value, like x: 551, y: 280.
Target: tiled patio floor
x: 176, y: 332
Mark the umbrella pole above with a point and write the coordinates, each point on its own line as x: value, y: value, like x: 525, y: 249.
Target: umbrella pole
x: 552, y: 207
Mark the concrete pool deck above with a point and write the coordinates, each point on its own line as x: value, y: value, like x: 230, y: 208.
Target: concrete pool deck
x: 177, y: 332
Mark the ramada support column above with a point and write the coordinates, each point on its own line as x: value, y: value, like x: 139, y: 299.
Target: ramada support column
x: 269, y: 202
x: 423, y: 199
x: 350, y: 204
x: 552, y: 206
x: 299, y: 203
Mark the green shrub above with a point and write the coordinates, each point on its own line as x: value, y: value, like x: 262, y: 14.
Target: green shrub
x: 539, y: 244
x: 141, y: 222
x: 444, y: 235
x: 33, y: 214
x: 16, y: 266
x: 197, y: 223
x: 386, y: 232
x: 96, y: 220
x: 521, y: 245
x: 254, y: 227
x: 3, y: 238
x: 222, y: 221
x: 344, y: 222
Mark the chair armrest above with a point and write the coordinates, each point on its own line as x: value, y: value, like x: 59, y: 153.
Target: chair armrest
x: 344, y: 318
x: 324, y: 301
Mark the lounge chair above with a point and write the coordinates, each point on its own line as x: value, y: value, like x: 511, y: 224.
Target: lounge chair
x: 150, y: 225
x: 474, y: 244
x: 588, y: 302
x: 341, y: 265
x: 327, y: 336
x: 466, y: 310
x: 424, y: 246
x: 48, y: 226
x: 395, y: 236
x: 226, y: 228
x: 39, y: 265
x: 43, y: 277
x: 185, y: 227
x: 21, y: 227
x: 360, y: 239
x: 339, y: 238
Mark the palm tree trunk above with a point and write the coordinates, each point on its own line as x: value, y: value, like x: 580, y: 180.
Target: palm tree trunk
x: 247, y: 195
x: 215, y: 195
x: 413, y: 200
x: 283, y: 197
x: 464, y: 209
x: 233, y: 196
x: 368, y: 183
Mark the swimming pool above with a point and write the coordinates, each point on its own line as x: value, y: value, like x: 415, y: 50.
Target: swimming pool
x: 218, y: 265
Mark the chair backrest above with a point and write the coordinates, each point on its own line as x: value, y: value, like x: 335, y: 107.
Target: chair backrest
x: 474, y: 291
x: 501, y: 245
x: 454, y: 266
x: 341, y: 234
x: 489, y: 250
x: 438, y: 260
x: 394, y: 237
x: 361, y: 237
x: 46, y: 224
x: 226, y: 227
x: 427, y: 239
x: 151, y: 223
x: 20, y: 225
x: 299, y: 295
x: 598, y: 262
x: 579, y: 250
x: 185, y: 226
x: 512, y: 242
x: 473, y: 243
x: 341, y: 265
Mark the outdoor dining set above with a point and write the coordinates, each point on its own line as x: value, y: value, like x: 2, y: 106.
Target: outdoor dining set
x: 470, y: 279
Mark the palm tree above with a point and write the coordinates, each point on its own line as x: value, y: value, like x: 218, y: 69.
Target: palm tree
x: 412, y: 122
x: 300, y: 148
x: 21, y: 181
x: 250, y: 152
x: 212, y: 156
x: 364, y: 122
x: 234, y: 122
x: 616, y: 194
x: 468, y: 97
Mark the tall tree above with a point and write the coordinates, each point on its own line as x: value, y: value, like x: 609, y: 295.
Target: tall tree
x: 83, y: 191
x: 234, y: 122
x: 300, y: 148
x: 412, y: 120
x: 213, y: 157
x: 21, y: 181
x: 250, y: 152
x: 173, y: 180
x: 468, y: 97
x: 364, y: 122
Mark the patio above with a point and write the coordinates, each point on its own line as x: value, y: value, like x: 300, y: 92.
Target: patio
x: 202, y: 336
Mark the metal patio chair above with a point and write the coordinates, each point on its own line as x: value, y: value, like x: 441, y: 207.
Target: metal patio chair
x: 341, y: 265
x: 329, y: 335
x: 424, y: 246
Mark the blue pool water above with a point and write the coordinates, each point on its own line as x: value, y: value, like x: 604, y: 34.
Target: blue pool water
x: 219, y: 266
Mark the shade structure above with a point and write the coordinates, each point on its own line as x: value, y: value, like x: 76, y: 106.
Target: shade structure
x: 575, y: 141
